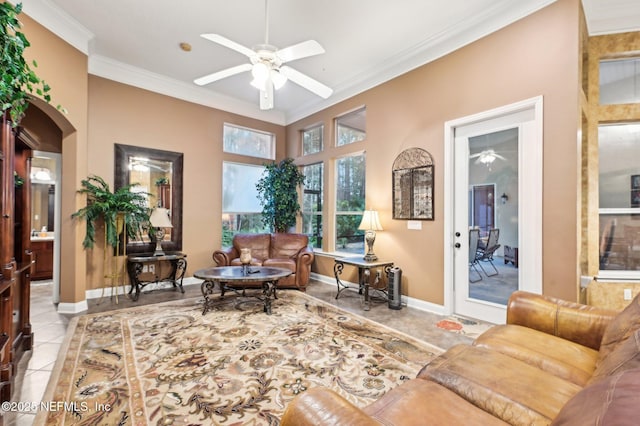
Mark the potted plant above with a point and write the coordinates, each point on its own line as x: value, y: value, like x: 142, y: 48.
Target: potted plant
x: 107, y: 205
x: 278, y: 194
x: 18, y: 80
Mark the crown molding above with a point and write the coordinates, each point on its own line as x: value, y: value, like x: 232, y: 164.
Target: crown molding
x: 102, y: 66
x: 59, y: 22
x: 503, y: 13
x: 500, y: 15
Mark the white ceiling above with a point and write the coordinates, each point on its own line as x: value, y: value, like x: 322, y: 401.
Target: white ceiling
x: 367, y: 42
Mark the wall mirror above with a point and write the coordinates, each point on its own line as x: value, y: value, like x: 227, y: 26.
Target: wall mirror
x: 159, y: 173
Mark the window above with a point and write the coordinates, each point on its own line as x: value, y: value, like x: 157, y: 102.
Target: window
x: 619, y: 199
x: 351, y: 127
x: 312, y: 201
x: 620, y: 81
x: 241, y: 210
x: 244, y: 141
x: 350, y: 192
x: 312, y: 140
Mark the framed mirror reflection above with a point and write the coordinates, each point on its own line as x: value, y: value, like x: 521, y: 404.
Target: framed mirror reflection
x: 158, y: 173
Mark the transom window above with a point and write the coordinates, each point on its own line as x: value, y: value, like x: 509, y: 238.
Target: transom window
x: 245, y: 141
x: 620, y: 81
x: 351, y: 127
x: 312, y: 140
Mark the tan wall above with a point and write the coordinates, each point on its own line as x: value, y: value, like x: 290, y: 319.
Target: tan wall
x: 65, y: 69
x: 536, y: 56
x: 126, y: 115
x: 516, y: 63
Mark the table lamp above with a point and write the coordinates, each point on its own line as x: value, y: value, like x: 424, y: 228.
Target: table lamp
x: 160, y: 220
x: 370, y: 224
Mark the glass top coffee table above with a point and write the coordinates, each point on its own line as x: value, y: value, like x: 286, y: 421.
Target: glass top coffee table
x: 239, y: 277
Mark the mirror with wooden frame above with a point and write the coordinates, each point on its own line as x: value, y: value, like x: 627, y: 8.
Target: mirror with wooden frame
x: 158, y: 173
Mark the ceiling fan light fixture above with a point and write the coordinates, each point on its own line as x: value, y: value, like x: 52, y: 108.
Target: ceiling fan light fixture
x: 278, y: 79
x: 260, y: 73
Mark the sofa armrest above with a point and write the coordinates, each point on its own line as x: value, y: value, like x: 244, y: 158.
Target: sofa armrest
x: 224, y: 257
x: 572, y: 321
x: 322, y: 406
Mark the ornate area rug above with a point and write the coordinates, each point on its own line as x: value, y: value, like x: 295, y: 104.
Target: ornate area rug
x: 167, y: 364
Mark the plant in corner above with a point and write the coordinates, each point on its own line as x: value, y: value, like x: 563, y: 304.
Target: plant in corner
x: 107, y: 205
x: 278, y: 194
x: 18, y: 80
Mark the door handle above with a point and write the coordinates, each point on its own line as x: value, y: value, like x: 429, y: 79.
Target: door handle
x: 457, y: 245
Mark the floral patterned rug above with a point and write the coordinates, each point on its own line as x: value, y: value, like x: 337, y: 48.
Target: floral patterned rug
x: 167, y: 364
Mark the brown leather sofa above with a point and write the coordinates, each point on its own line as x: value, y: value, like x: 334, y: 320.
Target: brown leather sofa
x: 280, y: 250
x: 554, y: 362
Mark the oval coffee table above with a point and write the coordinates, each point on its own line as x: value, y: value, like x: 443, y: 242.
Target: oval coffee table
x: 237, y: 277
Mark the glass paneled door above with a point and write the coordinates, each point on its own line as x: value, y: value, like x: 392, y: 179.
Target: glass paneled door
x: 494, y: 209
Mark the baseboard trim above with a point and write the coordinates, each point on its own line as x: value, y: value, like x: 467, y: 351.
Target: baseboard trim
x: 72, y: 308
x: 405, y: 300
x: 96, y: 293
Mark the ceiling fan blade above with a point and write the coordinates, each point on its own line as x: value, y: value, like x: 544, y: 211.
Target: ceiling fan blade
x: 300, y: 50
x: 266, y: 96
x: 307, y: 82
x: 210, y: 78
x: 223, y: 41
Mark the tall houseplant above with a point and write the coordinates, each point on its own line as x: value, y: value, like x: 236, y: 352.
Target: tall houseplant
x: 107, y: 205
x: 278, y: 194
x: 18, y: 81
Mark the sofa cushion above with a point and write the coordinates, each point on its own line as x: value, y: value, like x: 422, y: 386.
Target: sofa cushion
x: 437, y: 406
x: 287, y: 245
x: 281, y: 263
x: 624, y: 356
x: 613, y: 401
x: 621, y: 327
x: 510, y: 389
x: 560, y: 357
x: 258, y: 243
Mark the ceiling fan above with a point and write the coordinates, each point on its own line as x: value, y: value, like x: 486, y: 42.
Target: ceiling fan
x: 487, y: 156
x: 266, y: 65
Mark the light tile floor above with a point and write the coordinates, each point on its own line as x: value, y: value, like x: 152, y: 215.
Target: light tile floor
x: 49, y: 328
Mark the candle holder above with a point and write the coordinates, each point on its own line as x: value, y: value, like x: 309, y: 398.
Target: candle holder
x: 245, y: 259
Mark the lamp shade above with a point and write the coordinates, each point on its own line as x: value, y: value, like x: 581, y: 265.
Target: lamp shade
x: 160, y: 218
x: 370, y: 221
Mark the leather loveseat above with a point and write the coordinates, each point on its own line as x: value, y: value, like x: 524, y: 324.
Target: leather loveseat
x: 280, y: 250
x: 554, y: 362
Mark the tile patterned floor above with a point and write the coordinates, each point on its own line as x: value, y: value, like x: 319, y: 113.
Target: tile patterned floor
x: 50, y: 327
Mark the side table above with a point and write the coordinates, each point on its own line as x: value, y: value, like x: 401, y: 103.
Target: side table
x: 137, y: 261
x: 364, y: 273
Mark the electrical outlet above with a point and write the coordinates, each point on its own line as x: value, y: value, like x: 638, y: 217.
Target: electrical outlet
x: 627, y: 294
x: 152, y: 269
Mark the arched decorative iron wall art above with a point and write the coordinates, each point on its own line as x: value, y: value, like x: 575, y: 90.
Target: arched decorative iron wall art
x: 413, y: 185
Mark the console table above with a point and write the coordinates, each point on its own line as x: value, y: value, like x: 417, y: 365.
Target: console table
x: 364, y: 273
x: 136, y: 263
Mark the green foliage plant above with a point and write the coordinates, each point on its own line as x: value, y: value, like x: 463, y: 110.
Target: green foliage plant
x: 18, y: 81
x: 107, y: 205
x: 278, y: 194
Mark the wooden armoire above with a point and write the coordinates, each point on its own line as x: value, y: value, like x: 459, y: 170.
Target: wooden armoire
x: 16, y: 335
